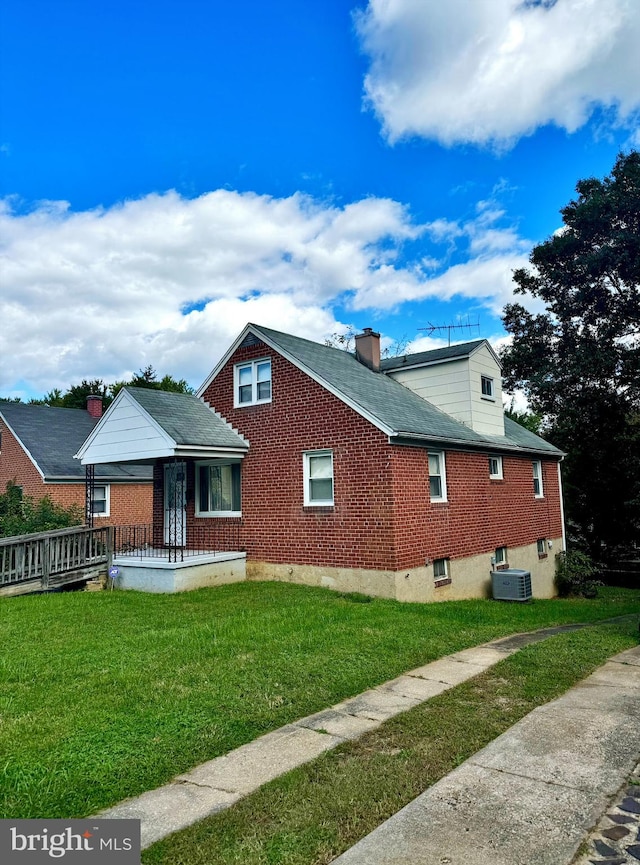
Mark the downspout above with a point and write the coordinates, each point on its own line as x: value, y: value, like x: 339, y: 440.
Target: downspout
x: 564, y: 536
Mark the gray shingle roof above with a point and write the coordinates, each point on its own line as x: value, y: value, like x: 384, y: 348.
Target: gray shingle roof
x: 462, y: 349
x: 392, y: 405
x: 53, y: 435
x: 187, y: 419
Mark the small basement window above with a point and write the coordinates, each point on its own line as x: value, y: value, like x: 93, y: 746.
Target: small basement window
x: 441, y: 571
x: 542, y: 548
x: 501, y: 557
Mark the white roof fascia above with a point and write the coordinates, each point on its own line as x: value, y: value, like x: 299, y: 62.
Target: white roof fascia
x: 22, y: 445
x: 223, y: 360
x: 313, y: 375
x: 205, y: 452
x: 123, y: 396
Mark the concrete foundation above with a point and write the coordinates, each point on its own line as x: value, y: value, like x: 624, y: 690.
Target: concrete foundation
x: 157, y: 575
x: 470, y: 577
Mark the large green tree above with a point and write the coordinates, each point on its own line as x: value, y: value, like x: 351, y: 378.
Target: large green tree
x: 578, y: 361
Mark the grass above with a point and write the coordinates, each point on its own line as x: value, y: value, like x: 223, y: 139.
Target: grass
x: 314, y: 813
x: 106, y: 695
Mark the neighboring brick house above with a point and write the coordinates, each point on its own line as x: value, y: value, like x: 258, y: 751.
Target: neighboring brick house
x: 37, y: 447
x: 399, y: 478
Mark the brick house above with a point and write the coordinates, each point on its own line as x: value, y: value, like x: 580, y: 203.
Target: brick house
x: 400, y: 478
x: 37, y: 447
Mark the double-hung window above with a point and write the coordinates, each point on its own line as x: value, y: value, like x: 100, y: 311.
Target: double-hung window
x: 218, y: 489
x: 486, y: 386
x: 100, y: 501
x: 318, y: 478
x: 252, y: 383
x: 495, y: 468
x: 437, y: 477
x: 537, y: 479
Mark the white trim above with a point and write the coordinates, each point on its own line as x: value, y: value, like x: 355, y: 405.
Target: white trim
x: 504, y: 560
x: 500, y: 473
x: 306, y: 471
x: 489, y: 379
x: 107, y: 501
x: 198, y: 465
x: 442, y: 475
x: 564, y: 535
x: 538, y: 477
x: 253, y: 364
x: 442, y: 577
x: 123, y: 396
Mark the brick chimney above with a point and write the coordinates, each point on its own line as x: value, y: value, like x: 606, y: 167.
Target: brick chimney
x: 368, y: 348
x: 94, y: 405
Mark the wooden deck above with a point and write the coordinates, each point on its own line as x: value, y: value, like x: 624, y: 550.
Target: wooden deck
x: 49, y: 560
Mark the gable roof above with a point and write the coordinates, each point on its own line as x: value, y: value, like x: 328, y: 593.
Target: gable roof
x: 435, y: 355
x: 393, y: 408
x: 146, y: 424
x: 51, y: 436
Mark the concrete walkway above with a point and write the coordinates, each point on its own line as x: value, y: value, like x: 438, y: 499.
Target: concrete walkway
x: 612, y: 739
x: 534, y: 793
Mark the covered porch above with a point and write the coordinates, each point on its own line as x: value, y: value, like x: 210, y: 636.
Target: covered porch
x: 195, y: 539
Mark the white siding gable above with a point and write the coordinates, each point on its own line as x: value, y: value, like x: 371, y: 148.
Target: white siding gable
x: 126, y: 433
x: 455, y: 387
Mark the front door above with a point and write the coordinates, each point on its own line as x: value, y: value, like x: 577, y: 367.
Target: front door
x: 175, y: 504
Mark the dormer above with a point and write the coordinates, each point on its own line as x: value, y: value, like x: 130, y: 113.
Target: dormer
x: 463, y: 380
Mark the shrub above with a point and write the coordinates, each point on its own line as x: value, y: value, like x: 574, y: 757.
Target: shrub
x: 576, y: 574
x: 22, y: 515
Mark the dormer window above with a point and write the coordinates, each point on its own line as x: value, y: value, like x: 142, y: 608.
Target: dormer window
x: 486, y: 386
x: 252, y: 383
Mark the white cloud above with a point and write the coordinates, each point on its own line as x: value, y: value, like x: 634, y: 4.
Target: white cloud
x: 171, y: 281
x: 491, y: 71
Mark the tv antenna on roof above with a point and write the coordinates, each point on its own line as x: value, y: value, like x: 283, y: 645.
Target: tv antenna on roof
x: 438, y: 328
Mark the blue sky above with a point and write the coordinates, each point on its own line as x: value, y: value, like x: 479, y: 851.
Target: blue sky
x: 172, y: 170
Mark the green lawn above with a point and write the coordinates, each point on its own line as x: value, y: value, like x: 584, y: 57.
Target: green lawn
x: 105, y: 695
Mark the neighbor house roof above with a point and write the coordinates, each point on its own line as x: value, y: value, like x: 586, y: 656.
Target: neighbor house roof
x: 392, y: 407
x: 51, y: 436
x: 145, y: 424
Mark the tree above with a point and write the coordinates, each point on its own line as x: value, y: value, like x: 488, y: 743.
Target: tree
x: 22, y: 515
x: 578, y: 362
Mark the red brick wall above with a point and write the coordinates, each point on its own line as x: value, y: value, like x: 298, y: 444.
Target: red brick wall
x: 357, y: 531
x: 480, y: 514
x: 382, y: 516
x: 130, y: 503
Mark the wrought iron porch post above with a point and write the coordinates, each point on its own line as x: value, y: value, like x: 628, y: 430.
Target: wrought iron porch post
x: 89, y: 493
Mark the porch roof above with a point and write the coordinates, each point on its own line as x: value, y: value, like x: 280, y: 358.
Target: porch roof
x: 145, y: 425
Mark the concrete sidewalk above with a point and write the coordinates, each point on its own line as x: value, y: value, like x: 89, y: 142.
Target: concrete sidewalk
x: 220, y: 783
x: 532, y: 796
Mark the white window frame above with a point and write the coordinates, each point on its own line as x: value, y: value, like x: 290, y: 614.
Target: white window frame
x: 541, y: 545
x: 501, y: 556
x: 538, y: 488
x: 107, y: 500
x: 487, y: 389
x: 306, y: 469
x: 437, y: 565
x: 201, y: 464
x: 498, y: 474
x: 442, y: 475
x: 253, y: 366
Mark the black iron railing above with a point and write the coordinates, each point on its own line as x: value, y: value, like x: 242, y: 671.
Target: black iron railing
x: 155, y: 542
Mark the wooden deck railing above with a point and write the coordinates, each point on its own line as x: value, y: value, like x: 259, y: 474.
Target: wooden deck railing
x: 50, y: 559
